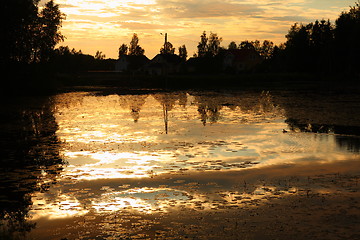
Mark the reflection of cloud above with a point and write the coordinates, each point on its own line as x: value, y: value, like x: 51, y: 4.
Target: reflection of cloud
x: 62, y: 206
x: 105, y: 143
x: 146, y: 200
x: 116, y: 204
x: 107, y: 148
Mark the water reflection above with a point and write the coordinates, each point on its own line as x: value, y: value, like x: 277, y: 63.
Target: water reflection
x: 347, y: 137
x: 134, y: 160
x: 30, y: 160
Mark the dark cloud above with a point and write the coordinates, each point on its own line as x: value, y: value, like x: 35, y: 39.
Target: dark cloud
x: 61, y: 5
x: 284, y: 18
x: 143, y: 26
x: 137, y: 13
x: 206, y: 9
x: 291, y: 19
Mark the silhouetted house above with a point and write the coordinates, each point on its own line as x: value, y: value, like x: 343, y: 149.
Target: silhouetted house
x: 163, y: 64
x: 240, y: 60
x: 131, y: 63
x: 191, y: 65
x: 203, y: 65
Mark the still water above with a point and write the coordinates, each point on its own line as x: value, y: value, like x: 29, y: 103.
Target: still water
x: 175, y: 165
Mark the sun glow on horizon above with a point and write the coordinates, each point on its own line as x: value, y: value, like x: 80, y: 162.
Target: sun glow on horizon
x: 105, y: 24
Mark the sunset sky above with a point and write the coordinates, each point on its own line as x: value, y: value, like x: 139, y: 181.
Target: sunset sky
x: 104, y: 25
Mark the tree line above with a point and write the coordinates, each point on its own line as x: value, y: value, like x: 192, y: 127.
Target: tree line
x: 321, y: 46
x: 134, y: 49
x: 30, y: 35
x: 315, y: 47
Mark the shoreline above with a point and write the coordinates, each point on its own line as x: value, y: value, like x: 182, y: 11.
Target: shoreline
x: 246, y: 81
x: 43, y: 84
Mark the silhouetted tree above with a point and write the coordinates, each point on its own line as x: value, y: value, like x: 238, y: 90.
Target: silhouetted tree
x: 321, y: 34
x: 167, y: 48
x: 297, y: 48
x: 29, y: 35
x: 321, y: 45
x: 347, y: 38
x: 63, y: 50
x: 309, y: 47
x: 266, y: 49
x: 213, y: 46
x: 257, y: 45
x: 183, y: 52
x: 50, y: 20
x: 202, y: 46
x: 232, y: 45
x: 246, y: 45
x: 99, y: 55
x: 209, y: 46
x: 73, y: 61
x: 276, y: 62
x: 66, y: 60
x: 17, y: 21
x: 123, y: 50
x: 134, y: 48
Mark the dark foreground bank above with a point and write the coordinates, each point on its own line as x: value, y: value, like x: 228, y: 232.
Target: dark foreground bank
x: 36, y: 83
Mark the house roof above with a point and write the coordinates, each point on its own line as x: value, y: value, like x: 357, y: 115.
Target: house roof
x: 169, y: 58
x: 135, y: 61
x: 135, y: 58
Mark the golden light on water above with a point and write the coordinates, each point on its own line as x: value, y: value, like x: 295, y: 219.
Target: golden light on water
x: 155, y: 155
x: 63, y: 206
x: 104, y: 141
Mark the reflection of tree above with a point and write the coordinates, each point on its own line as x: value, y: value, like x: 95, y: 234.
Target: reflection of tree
x: 297, y: 126
x: 267, y: 105
x: 182, y: 96
x: 351, y: 144
x: 167, y: 101
x: 134, y: 103
x: 324, y: 113
x: 253, y: 104
x: 343, y: 139
x: 209, y: 108
x: 30, y: 160
x: 209, y: 112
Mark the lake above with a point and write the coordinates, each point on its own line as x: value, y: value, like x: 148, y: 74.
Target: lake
x: 150, y: 164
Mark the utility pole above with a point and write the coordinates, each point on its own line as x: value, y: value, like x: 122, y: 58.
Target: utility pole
x: 165, y: 43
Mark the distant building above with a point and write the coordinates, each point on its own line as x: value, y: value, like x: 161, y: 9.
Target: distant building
x: 131, y: 63
x: 191, y: 65
x: 203, y: 65
x: 163, y: 64
x: 227, y: 61
x: 240, y: 60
